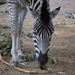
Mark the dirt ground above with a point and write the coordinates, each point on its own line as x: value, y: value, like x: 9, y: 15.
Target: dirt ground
x: 62, y: 44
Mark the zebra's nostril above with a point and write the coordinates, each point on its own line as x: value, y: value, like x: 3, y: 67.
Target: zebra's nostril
x: 42, y: 59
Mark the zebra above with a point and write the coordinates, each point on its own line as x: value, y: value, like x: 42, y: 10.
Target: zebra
x: 42, y: 30
x: 42, y: 27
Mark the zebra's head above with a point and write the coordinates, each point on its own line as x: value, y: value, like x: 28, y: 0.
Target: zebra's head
x: 42, y: 31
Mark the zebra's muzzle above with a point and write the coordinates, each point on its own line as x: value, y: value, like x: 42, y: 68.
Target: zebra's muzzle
x: 42, y: 59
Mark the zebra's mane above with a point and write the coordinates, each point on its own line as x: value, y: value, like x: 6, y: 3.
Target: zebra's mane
x: 45, y: 12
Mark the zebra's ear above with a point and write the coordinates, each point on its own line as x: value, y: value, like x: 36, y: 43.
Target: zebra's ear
x: 55, y: 12
x: 32, y: 12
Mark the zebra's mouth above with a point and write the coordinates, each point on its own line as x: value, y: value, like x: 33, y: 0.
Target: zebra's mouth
x: 42, y: 59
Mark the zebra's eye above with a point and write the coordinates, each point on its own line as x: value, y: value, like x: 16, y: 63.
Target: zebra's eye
x: 35, y: 33
x: 36, y: 51
x: 47, y: 50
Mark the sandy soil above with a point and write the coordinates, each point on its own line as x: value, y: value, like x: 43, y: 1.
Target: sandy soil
x: 62, y: 44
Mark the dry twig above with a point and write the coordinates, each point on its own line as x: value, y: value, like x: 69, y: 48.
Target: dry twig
x: 26, y: 71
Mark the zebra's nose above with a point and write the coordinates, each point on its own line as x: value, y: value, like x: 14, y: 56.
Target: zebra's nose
x: 42, y: 59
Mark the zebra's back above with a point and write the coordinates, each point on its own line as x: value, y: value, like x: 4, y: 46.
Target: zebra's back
x: 22, y: 3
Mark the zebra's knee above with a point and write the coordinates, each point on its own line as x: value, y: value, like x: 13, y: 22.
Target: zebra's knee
x: 15, y: 32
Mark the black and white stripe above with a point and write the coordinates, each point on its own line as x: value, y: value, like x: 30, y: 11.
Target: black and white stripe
x: 42, y: 26
x: 15, y: 8
x: 43, y: 29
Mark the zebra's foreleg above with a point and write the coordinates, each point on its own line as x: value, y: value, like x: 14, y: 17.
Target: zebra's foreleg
x: 14, y: 10
x: 16, y: 14
x: 14, y: 53
x: 21, y: 56
x: 21, y: 17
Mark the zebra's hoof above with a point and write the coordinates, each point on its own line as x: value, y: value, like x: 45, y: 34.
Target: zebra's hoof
x: 13, y: 63
x: 22, y: 58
